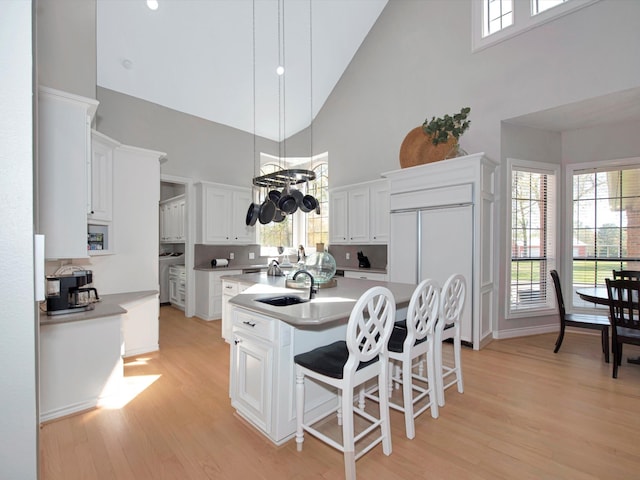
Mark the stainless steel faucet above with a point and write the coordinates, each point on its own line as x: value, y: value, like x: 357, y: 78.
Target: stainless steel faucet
x: 313, y: 287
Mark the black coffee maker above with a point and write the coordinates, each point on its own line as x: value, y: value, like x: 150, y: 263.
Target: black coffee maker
x: 67, y: 294
x: 363, y: 261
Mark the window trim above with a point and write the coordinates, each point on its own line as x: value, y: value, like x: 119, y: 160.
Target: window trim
x: 567, y: 253
x: 537, y: 167
x: 523, y: 20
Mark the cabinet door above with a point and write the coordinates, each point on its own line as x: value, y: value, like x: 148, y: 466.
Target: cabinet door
x: 64, y: 159
x: 241, y: 232
x: 379, y: 212
x: 358, y: 217
x: 251, y: 389
x: 338, y: 213
x: 181, y: 220
x: 101, y: 178
x: 216, y: 215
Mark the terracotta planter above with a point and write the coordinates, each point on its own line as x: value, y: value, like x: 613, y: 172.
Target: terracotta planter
x: 417, y: 149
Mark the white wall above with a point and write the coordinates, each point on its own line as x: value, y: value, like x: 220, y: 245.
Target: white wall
x: 18, y: 354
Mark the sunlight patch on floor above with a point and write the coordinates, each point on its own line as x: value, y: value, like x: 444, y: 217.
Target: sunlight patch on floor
x: 129, y: 389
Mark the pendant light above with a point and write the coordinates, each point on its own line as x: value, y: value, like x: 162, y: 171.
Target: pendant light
x: 283, y: 179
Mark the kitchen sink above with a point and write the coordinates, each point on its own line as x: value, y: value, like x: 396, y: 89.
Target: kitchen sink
x: 282, y: 300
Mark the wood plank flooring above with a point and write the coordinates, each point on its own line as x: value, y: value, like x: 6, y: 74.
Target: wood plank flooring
x: 526, y: 413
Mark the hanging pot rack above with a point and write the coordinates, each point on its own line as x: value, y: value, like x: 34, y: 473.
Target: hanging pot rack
x: 284, y: 178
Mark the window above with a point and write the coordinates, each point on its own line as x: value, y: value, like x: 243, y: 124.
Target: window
x: 300, y: 228
x: 538, y: 6
x: 532, y: 236
x: 605, y: 204
x: 498, y: 20
x: 498, y: 15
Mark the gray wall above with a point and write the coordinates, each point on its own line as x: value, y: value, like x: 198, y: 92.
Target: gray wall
x: 18, y: 353
x: 66, y: 45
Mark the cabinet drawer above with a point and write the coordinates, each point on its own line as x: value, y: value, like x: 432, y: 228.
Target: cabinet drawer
x: 255, y: 325
x: 229, y: 288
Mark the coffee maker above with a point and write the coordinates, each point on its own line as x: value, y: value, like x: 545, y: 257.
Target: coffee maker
x: 68, y: 294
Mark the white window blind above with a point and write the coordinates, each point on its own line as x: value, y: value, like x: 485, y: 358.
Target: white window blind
x: 606, y: 222
x: 533, y: 237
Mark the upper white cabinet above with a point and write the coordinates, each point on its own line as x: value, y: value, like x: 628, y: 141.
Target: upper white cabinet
x: 102, y: 148
x: 359, y: 213
x: 173, y: 214
x: 221, y: 215
x: 64, y: 171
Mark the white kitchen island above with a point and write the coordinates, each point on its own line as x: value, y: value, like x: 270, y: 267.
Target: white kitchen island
x: 265, y: 339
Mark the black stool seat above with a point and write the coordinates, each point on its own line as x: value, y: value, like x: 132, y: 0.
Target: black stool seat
x: 328, y: 360
x: 398, y: 336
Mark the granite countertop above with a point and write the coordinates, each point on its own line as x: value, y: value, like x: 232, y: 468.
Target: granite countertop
x: 109, y: 305
x: 329, y: 305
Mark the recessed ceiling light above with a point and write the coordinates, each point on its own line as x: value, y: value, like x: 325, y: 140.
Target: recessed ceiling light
x: 152, y: 4
x: 280, y: 70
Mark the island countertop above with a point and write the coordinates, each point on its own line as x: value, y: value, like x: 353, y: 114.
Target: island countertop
x: 328, y: 306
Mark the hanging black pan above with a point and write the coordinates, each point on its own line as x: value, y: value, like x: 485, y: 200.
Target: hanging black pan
x: 279, y: 216
x: 252, y: 214
x: 267, y: 211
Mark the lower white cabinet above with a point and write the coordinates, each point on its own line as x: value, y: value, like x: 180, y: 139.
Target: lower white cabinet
x: 209, y: 293
x: 262, y: 377
x: 230, y: 288
x: 177, y: 286
x: 80, y: 364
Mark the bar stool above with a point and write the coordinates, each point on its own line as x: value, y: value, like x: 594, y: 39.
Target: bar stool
x: 448, y: 327
x: 345, y: 365
x: 410, y: 345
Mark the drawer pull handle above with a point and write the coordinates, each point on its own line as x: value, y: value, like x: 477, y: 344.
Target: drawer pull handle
x: 251, y: 324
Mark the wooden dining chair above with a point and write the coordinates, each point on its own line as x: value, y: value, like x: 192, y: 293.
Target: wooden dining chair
x: 591, y: 322
x: 345, y: 365
x: 625, y: 316
x: 626, y: 275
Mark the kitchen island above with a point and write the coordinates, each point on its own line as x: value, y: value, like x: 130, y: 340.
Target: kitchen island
x: 265, y: 338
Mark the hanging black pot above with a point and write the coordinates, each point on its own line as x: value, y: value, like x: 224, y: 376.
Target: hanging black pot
x: 287, y: 202
x: 279, y: 217
x: 274, y: 195
x: 308, y: 203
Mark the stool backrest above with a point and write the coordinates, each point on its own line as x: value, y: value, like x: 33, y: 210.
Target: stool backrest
x: 452, y: 301
x: 370, y: 325
x: 423, y: 311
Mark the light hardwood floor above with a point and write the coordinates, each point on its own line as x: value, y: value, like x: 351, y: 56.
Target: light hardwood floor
x: 526, y: 413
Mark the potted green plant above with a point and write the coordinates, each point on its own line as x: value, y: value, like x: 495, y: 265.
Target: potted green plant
x: 434, y: 140
x: 441, y: 129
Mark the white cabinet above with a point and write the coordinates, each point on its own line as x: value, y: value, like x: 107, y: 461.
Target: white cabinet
x: 173, y: 220
x: 262, y: 377
x: 443, y: 218
x: 177, y: 286
x: 359, y: 213
x: 209, y: 293
x: 364, y: 275
x: 221, y: 215
x: 102, y: 148
x: 64, y: 171
x: 230, y: 288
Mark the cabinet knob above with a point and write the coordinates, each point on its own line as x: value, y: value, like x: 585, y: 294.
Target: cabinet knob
x: 237, y: 341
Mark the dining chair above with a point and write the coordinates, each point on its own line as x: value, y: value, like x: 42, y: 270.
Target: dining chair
x: 410, y: 347
x: 626, y: 275
x: 345, y: 365
x: 591, y: 322
x: 625, y: 316
x: 448, y: 326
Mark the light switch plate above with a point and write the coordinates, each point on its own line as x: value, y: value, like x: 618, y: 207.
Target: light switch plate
x: 252, y: 256
x: 348, y: 255
x: 232, y: 256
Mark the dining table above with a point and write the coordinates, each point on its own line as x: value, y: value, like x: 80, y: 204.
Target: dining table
x: 600, y: 296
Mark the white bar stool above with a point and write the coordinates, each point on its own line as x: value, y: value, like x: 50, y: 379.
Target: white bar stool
x: 448, y: 327
x: 345, y: 365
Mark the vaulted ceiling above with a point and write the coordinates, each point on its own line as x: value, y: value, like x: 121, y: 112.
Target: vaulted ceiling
x: 217, y: 59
